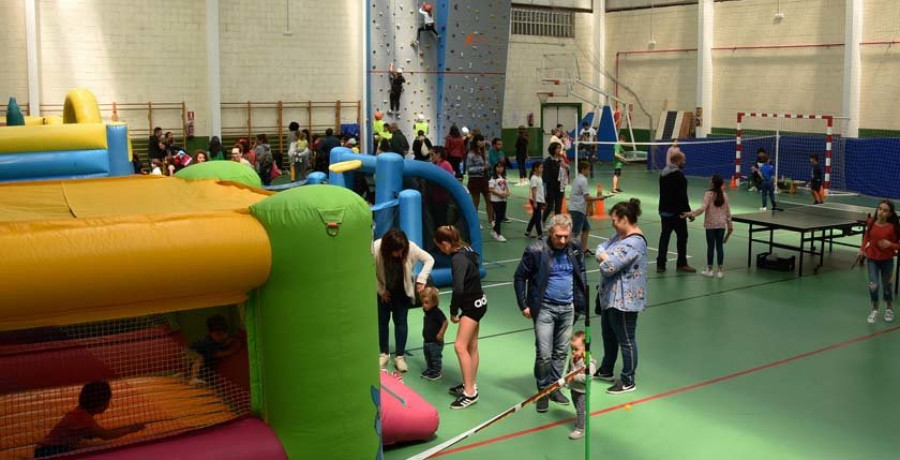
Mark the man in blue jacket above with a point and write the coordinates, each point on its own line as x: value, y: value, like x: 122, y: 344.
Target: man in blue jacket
x: 551, y: 287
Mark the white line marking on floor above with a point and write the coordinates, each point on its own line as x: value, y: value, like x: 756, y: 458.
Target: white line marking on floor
x: 591, y: 236
x: 508, y: 283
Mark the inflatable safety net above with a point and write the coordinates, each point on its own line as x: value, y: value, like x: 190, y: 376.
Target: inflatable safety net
x: 102, y: 384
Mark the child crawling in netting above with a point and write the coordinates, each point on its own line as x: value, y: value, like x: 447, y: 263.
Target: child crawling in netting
x: 79, y: 423
x: 211, y: 349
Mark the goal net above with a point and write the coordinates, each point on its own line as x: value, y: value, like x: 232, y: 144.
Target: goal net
x: 142, y: 378
x: 789, y: 141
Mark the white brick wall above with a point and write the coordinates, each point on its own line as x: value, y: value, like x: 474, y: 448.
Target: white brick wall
x: 319, y: 61
x: 801, y: 80
x: 14, y: 71
x: 880, y: 65
x: 126, y: 51
x: 660, y: 79
x: 526, y: 55
x: 135, y: 51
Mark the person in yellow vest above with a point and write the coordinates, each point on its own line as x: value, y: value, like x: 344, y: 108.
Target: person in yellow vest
x: 378, y: 124
x: 421, y: 124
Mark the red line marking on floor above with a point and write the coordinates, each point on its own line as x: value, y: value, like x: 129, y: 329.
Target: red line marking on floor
x: 673, y: 392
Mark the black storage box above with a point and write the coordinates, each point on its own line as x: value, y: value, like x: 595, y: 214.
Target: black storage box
x: 771, y: 261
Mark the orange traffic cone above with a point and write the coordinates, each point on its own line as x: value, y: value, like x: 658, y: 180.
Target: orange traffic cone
x: 599, y: 206
x: 733, y: 184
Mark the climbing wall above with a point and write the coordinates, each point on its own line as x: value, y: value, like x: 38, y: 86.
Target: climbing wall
x: 474, y: 64
x: 460, y: 76
x: 392, y: 31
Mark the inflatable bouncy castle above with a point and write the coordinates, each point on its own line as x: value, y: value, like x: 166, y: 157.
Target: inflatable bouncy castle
x: 78, y: 145
x: 123, y: 280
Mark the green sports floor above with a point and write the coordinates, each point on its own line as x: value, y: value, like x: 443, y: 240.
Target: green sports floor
x: 760, y: 364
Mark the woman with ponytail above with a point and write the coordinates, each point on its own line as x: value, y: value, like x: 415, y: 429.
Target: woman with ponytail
x: 717, y: 220
x: 468, y: 305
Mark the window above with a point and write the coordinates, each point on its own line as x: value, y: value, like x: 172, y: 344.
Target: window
x: 543, y: 23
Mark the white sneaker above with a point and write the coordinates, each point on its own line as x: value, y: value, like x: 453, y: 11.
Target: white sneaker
x: 576, y: 434
x: 720, y: 274
x: 872, y: 315
x: 889, y: 315
x: 383, y: 360
x: 707, y: 272
x: 400, y: 364
x: 498, y: 237
x: 763, y: 208
x: 752, y: 189
x: 481, y: 226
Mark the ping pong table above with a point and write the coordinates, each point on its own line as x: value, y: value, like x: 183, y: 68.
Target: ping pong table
x: 818, y: 225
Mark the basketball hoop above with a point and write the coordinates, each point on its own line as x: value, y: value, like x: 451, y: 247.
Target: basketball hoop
x: 544, y: 95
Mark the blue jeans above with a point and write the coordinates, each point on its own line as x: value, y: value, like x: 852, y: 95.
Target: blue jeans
x: 880, y: 273
x: 552, y: 332
x: 398, y: 308
x: 580, y: 223
x: 714, y: 241
x: 618, y: 328
x: 433, y: 353
x: 768, y: 190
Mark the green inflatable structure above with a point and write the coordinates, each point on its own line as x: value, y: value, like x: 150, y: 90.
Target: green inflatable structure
x: 222, y: 170
x: 312, y: 325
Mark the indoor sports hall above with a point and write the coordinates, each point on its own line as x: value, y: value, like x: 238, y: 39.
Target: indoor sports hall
x: 632, y: 229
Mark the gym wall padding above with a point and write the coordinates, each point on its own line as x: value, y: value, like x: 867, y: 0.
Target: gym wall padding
x: 315, y: 325
x: 872, y: 166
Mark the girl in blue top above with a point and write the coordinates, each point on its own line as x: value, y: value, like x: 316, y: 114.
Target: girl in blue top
x: 622, y: 293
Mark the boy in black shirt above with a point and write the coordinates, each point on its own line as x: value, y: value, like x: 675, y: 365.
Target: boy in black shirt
x: 815, y: 182
x: 433, y: 328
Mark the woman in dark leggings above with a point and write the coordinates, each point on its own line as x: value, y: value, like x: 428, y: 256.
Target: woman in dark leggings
x: 522, y: 155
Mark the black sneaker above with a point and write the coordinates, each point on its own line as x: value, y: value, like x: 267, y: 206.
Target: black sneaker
x: 457, y: 390
x: 599, y: 375
x: 432, y: 375
x: 660, y: 269
x: 460, y: 389
x: 620, y: 388
x: 559, y: 398
x: 506, y: 220
x: 464, y: 401
x: 543, y: 404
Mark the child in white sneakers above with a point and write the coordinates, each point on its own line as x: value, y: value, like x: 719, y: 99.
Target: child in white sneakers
x: 499, y: 193
x: 717, y: 220
x: 577, y: 385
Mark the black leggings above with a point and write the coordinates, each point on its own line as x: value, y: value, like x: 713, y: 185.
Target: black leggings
x: 395, y: 101
x: 499, y: 214
x: 535, y: 221
x: 554, y: 202
x: 523, y: 170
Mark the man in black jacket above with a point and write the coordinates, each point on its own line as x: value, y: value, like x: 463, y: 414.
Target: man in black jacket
x: 323, y: 155
x: 550, y: 176
x: 673, y: 201
x: 551, y: 287
x: 399, y: 144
